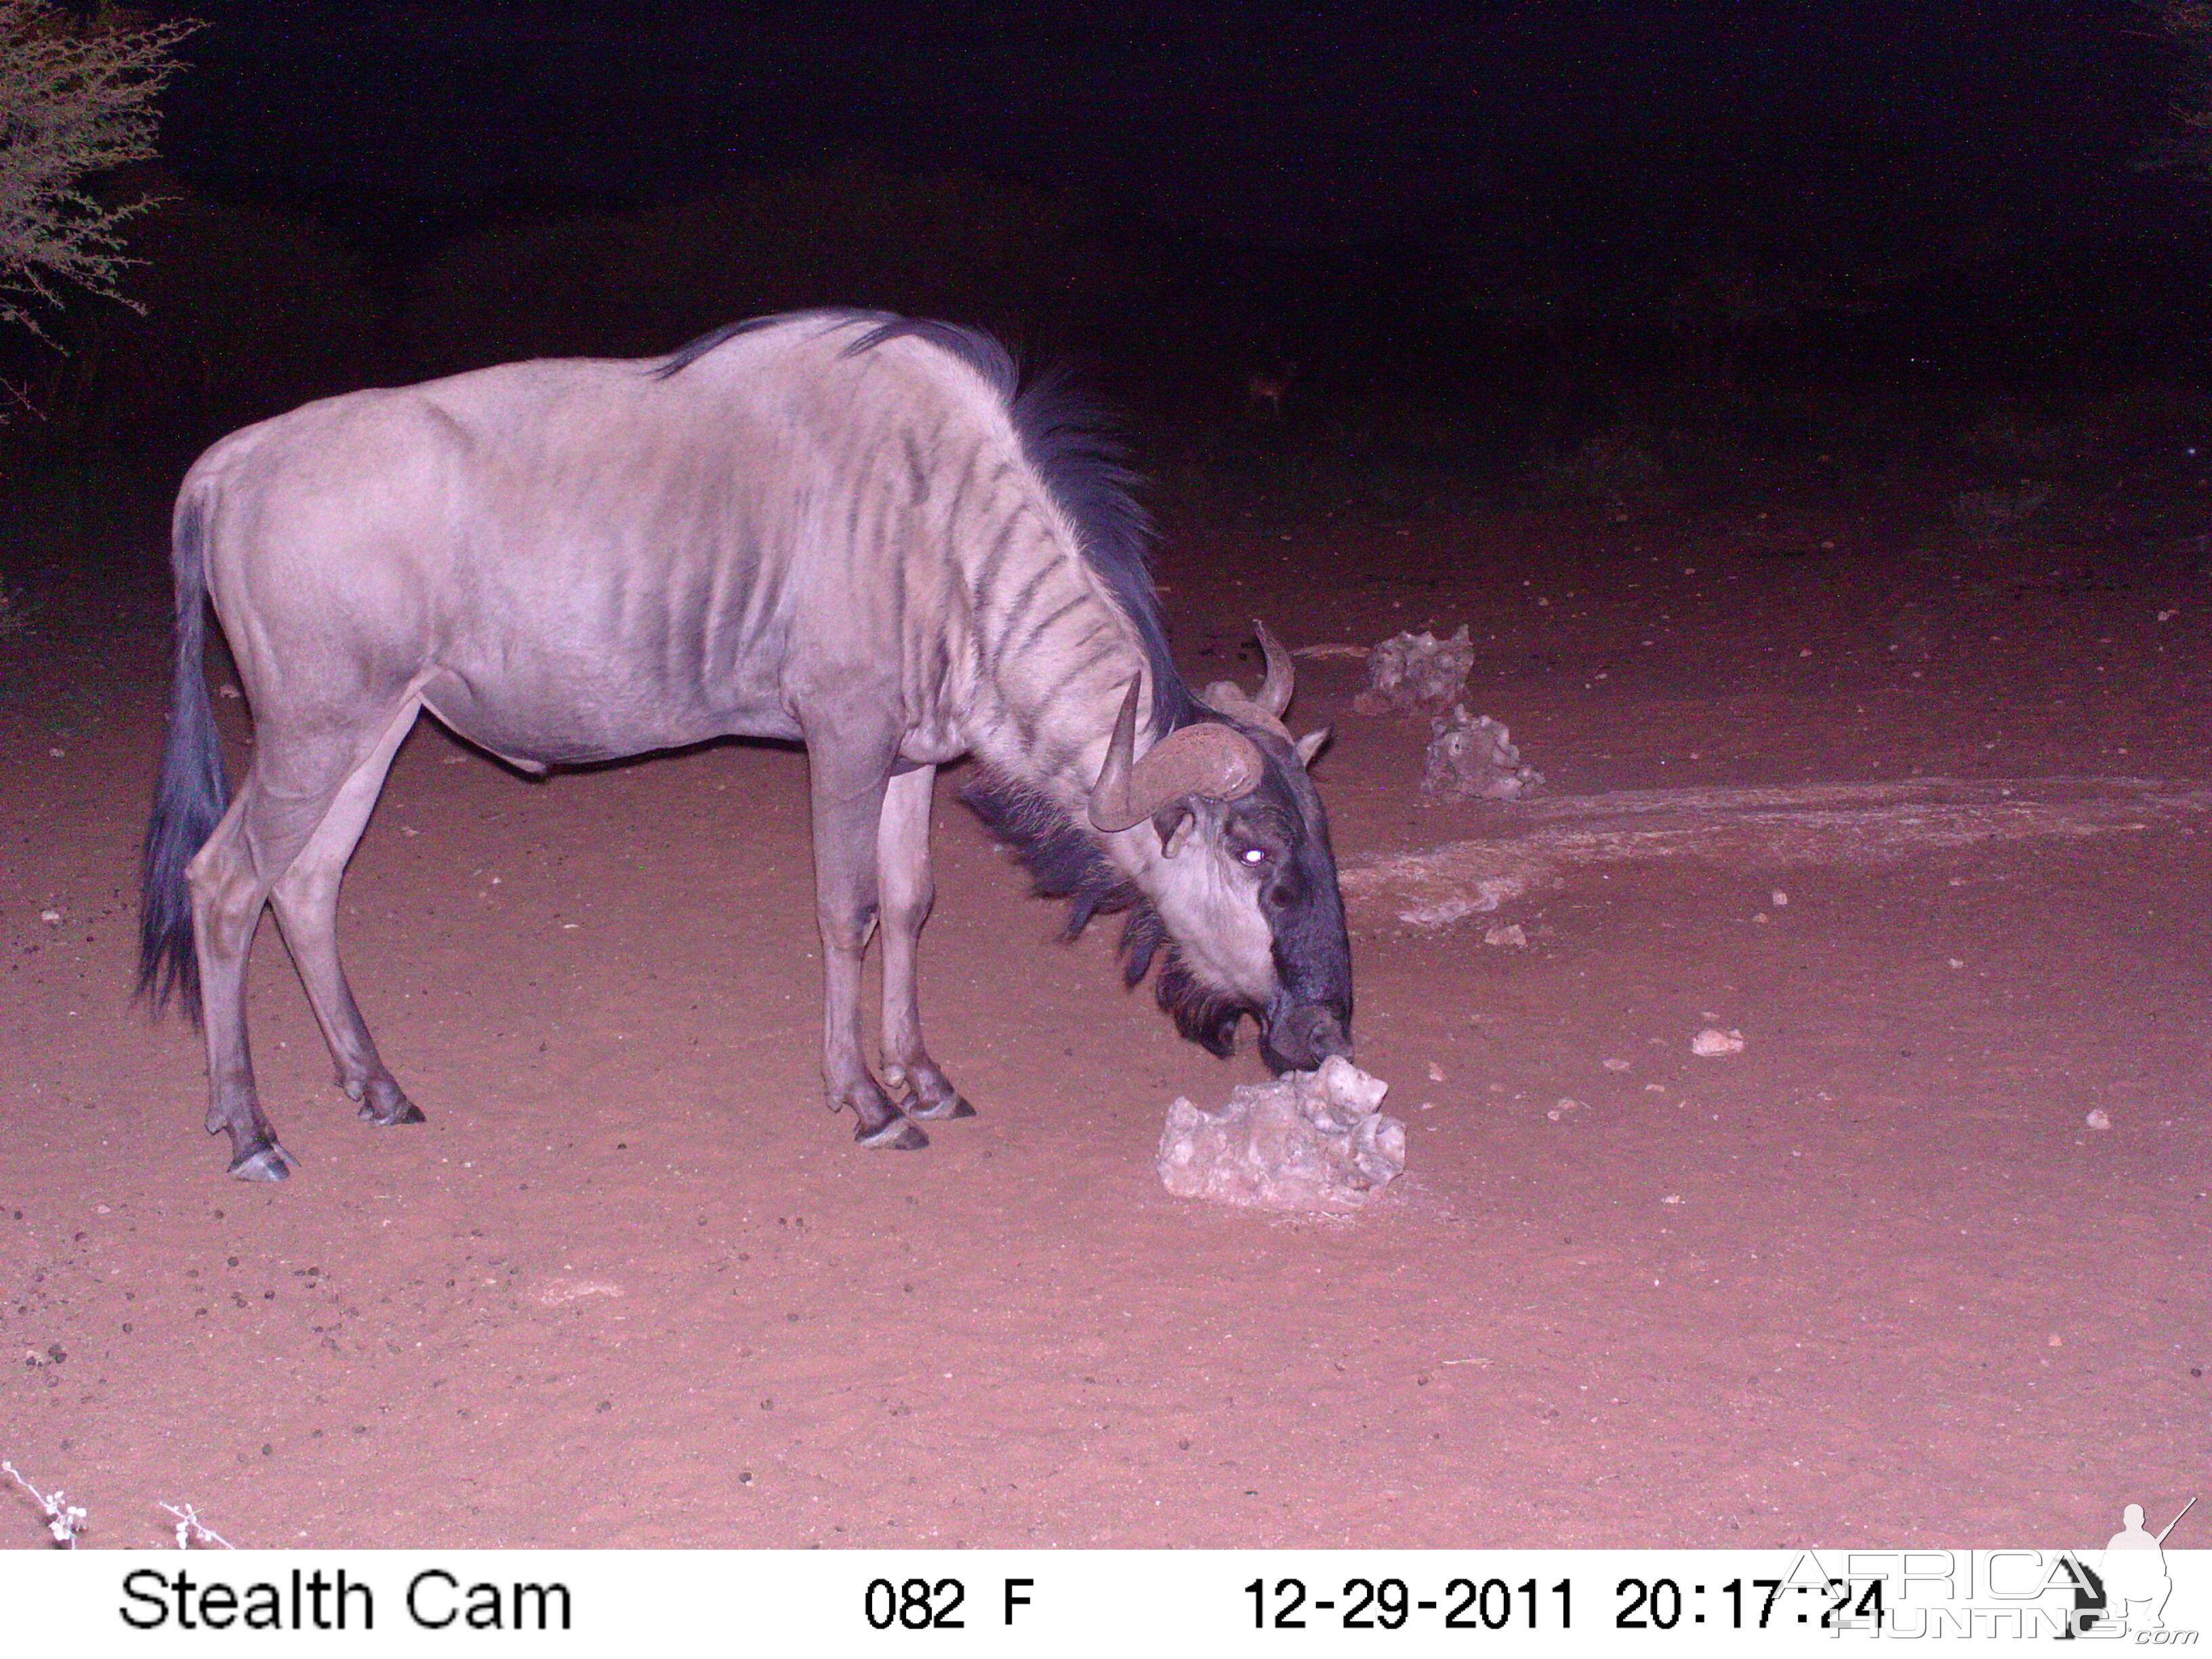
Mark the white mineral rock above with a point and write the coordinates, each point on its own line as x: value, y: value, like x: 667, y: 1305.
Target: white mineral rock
x: 1475, y: 760
x: 1713, y: 1042
x: 1416, y: 672
x: 1310, y: 1140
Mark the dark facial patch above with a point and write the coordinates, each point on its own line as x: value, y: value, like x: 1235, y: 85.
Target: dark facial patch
x: 1310, y: 1016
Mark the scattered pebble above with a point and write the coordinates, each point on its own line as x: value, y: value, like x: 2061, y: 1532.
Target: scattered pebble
x: 1781, y: 899
x: 1616, y: 1065
x: 2097, y: 1120
x: 52, y: 918
x: 1436, y: 1072
x: 553, y: 1293
x: 1713, y: 1042
x: 1508, y: 934
x: 1672, y: 1198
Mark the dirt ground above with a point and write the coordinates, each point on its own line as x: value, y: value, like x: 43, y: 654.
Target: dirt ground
x: 1875, y: 1279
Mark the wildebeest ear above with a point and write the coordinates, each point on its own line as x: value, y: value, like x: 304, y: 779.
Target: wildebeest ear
x: 1172, y: 824
x: 1312, y: 744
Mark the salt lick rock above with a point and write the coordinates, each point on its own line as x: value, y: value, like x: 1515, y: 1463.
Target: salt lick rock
x: 1416, y: 672
x: 1312, y: 1141
x: 1475, y: 760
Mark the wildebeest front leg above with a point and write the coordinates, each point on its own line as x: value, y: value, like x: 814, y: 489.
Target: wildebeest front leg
x: 907, y: 892
x: 847, y: 794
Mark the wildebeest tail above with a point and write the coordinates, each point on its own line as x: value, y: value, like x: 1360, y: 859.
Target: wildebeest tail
x: 190, y: 797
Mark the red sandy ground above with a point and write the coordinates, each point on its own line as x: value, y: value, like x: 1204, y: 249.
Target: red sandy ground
x: 1873, y: 1280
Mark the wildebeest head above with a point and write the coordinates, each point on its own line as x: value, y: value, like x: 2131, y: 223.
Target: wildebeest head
x: 1241, y: 895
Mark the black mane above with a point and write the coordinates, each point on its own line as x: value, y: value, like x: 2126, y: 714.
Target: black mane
x: 1063, y: 862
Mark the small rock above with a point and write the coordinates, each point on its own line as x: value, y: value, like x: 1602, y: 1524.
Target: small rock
x: 2097, y: 1120
x: 1436, y: 1072
x: 1781, y: 899
x: 1713, y: 1042
x: 52, y: 918
x: 554, y: 1291
x: 1616, y: 1065
x: 1506, y: 933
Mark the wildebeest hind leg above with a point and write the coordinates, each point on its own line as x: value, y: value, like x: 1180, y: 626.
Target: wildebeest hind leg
x: 906, y: 895
x: 306, y: 897
x: 847, y: 782
x: 287, y: 792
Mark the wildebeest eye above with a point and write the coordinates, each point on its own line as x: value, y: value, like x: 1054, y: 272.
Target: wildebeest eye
x: 1253, y: 855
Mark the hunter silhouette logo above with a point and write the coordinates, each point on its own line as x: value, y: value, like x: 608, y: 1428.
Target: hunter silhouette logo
x: 2136, y: 1583
x: 2127, y: 1590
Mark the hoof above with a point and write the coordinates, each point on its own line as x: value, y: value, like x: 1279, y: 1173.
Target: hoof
x: 956, y: 1107
x: 382, y: 1104
x: 267, y: 1163
x: 898, y: 1136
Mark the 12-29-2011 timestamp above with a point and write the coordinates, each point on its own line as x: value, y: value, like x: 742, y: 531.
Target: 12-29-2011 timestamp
x: 1495, y: 1604
x: 1391, y: 1604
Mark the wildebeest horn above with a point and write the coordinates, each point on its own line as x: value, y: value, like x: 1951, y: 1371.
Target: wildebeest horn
x: 1265, y: 710
x: 1274, y: 691
x: 1204, y: 759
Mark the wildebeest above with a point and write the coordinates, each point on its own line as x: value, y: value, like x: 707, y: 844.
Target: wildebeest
x: 846, y: 528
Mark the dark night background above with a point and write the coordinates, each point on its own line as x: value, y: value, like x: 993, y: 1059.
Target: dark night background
x: 1482, y: 233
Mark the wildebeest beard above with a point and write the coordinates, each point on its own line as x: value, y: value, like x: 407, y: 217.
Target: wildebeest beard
x: 1063, y: 862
